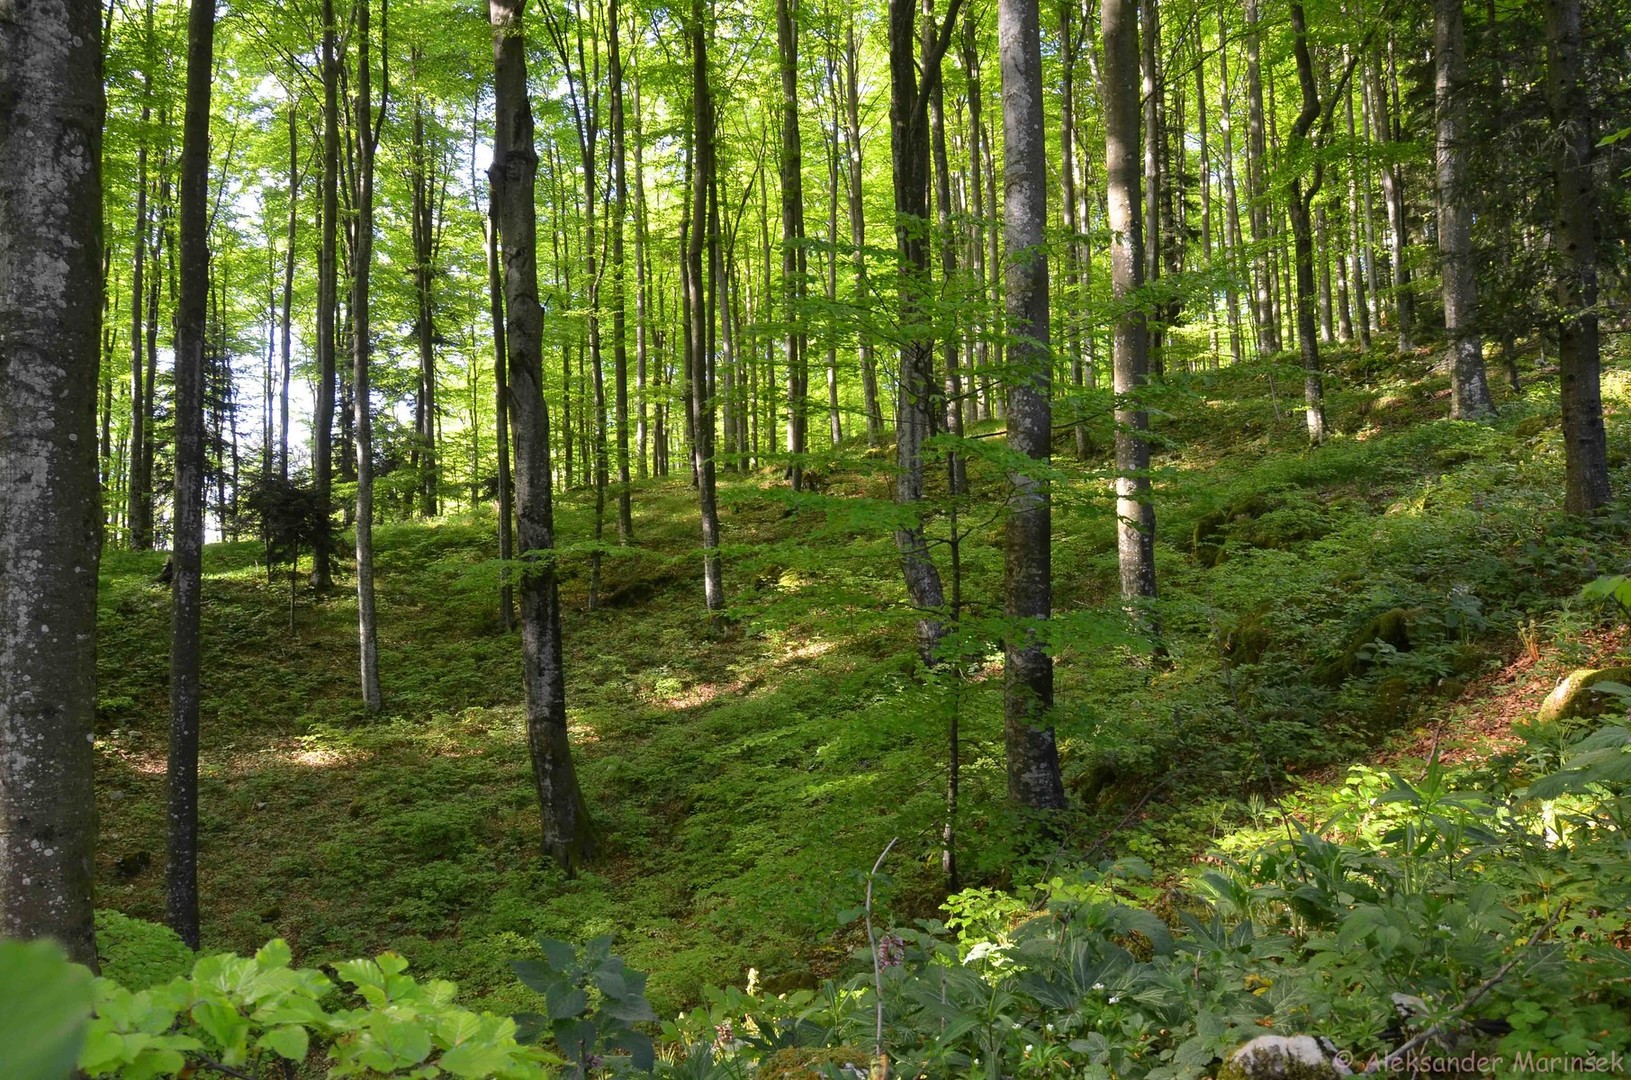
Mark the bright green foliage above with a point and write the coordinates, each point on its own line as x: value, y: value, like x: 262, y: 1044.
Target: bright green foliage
x: 247, y: 1014
x: 44, y: 1004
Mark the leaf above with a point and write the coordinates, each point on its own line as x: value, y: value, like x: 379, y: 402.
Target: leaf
x: 561, y: 956
x: 564, y: 1002
x: 290, y: 1042
x: 537, y: 975
x: 274, y: 954
x: 45, y: 1007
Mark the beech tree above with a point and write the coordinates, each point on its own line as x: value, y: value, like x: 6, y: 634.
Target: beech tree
x: 567, y: 836
x: 181, y: 867
x: 50, y: 506
x: 1033, y: 758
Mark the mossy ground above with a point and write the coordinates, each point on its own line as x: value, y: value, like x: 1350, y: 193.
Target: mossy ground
x: 745, y: 771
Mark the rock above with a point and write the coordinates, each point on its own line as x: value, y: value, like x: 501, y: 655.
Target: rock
x: 1574, y: 696
x: 1285, y: 1057
x: 1392, y: 627
x: 1248, y: 639
x: 1530, y: 426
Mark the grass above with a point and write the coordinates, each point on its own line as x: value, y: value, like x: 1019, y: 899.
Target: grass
x: 744, y: 772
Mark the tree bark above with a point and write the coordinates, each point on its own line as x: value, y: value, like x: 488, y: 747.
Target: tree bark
x: 366, y: 135
x: 1574, y: 240
x: 1469, y: 383
x: 1135, y: 514
x: 857, y: 230
x: 793, y: 255
x: 322, y: 574
x: 620, y: 348
x: 50, y: 504
x: 567, y: 836
x: 699, y: 312
x: 1299, y: 200
x: 1033, y: 757
x: 1404, y: 306
x: 1268, y: 326
x: 501, y: 387
x: 181, y: 868
x: 919, y: 390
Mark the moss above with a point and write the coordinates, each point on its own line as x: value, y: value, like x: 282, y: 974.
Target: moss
x: 1392, y: 703
x: 1530, y: 426
x: 1392, y: 627
x: 1248, y: 639
x: 811, y: 1063
x: 1574, y: 697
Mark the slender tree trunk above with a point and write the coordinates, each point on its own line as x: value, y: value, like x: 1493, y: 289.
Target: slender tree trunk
x: 1237, y: 265
x: 1404, y: 306
x: 50, y: 506
x: 1135, y: 513
x: 181, y: 868
x: 1298, y: 201
x: 1469, y: 384
x: 835, y: 427
x: 857, y: 230
x: 139, y: 508
x: 322, y: 574
x: 919, y: 389
x: 1268, y: 326
x: 1033, y: 757
x: 424, y: 247
x: 620, y: 347
x: 287, y: 328
x: 793, y: 255
x: 1574, y: 240
x: 366, y: 134
x: 699, y: 314
x: 501, y: 387
x: 1073, y: 298
x: 567, y: 836
x: 642, y: 295
x: 1149, y: 42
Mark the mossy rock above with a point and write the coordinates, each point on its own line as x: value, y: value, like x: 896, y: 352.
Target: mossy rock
x: 1248, y: 639
x: 812, y: 1062
x: 1206, y: 542
x: 1530, y: 426
x: 1574, y: 695
x: 1392, y: 627
x: 1284, y: 1057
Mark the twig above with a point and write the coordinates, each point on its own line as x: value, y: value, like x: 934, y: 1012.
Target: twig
x: 872, y: 941
x: 224, y: 1070
x: 1472, y: 999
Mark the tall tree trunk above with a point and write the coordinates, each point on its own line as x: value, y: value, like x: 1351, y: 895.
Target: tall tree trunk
x: 181, y: 867
x: 1135, y: 513
x: 857, y: 230
x: 699, y: 313
x: 620, y: 348
x: 322, y: 574
x: 1299, y: 200
x: 424, y: 251
x: 50, y: 506
x: 1231, y: 196
x: 567, y: 836
x: 642, y: 294
x: 287, y: 327
x: 1404, y: 305
x: 1268, y: 326
x: 969, y: 48
x: 835, y: 428
x: 366, y: 135
x: 1149, y: 43
x: 501, y: 388
x: 950, y: 339
x: 793, y: 255
x: 138, y: 492
x: 1469, y: 384
x: 1033, y: 757
x: 919, y: 389
x: 1574, y: 240
x: 1073, y: 299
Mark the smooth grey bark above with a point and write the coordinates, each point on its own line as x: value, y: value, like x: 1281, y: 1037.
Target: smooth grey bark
x: 501, y: 387
x: 699, y: 309
x: 620, y: 345
x: 918, y: 403
x: 1231, y: 198
x: 857, y: 229
x: 366, y: 136
x: 794, y: 262
x: 287, y: 325
x: 1404, y: 301
x: 1574, y: 240
x: 1469, y: 383
x: 138, y: 490
x: 425, y: 234
x: 1033, y: 755
x: 567, y: 835
x: 1152, y: 91
x: 1300, y: 192
x: 1135, y: 513
x: 50, y: 504
x: 322, y: 573
x: 642, y: 294
x: 181, y: 866
x: 1268, y: 326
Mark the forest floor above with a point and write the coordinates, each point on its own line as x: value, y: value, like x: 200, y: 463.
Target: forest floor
x: 1405, y: 587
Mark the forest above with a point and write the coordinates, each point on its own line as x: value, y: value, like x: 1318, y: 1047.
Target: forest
x: 800, y: 539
